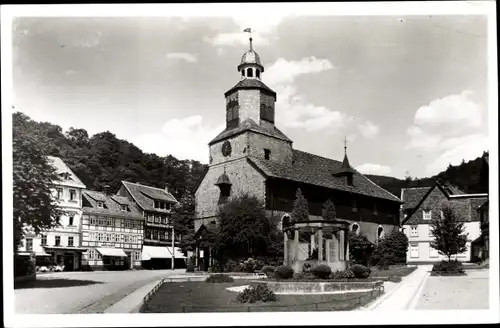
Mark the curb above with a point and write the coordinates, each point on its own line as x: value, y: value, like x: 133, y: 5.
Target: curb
x: 377, y: 302
x: 416, y: 296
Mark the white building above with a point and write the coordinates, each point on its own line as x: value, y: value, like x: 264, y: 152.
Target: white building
x: 60, y: 245
x: 422, y: 204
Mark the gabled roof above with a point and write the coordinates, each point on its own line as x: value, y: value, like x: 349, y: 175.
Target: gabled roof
x: 251, y: 84
x: 319, y: 171
x: 146, y: 195
x: 412, y: 196
x: 250, y: 125
x: 68, y: 177
x: 112, y: 205
x: 464, y: 203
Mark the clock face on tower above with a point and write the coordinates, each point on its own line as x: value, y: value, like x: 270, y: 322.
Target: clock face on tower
x: 226, y: 148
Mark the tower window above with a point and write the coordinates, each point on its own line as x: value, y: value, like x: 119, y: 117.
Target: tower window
x: 242, y: 72
x: 257, y: 73
x: 249, y: 72
x: 225, y: 192
x: 349, y: 180
x: 267, y: 154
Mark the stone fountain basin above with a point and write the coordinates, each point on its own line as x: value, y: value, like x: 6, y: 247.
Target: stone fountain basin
x: 315, y: 287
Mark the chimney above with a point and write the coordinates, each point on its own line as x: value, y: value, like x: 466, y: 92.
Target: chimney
x: 106, y: 189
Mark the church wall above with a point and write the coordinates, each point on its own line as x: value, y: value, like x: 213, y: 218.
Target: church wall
x: 238, y: 145
x: 281, y: 151
x: 249, y: 105
x: 243, y: 177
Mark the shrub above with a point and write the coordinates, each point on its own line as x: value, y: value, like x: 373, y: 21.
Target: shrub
x: 268, y: 270
x: 190, y: 268
x: 321, y: 271
x: 360, y: 249
x: 219, y: 278
x: 448, y: 267
x: 258, y: 293
x: 346, y: 274
x: 307, y: 276
x: 283, y: 272
x: 249, y: 265
x: 390, y: 250
x: 360, y: 271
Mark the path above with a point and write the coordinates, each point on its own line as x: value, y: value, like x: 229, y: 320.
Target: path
x: 82, y: 292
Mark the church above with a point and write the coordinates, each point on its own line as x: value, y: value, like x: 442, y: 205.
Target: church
x: 253, y: 156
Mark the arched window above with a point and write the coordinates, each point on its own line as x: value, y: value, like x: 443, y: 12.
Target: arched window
x: 242, y: 72
x: 380, y: 232
x: 257, y: 73
x: 355, y: 228
x: 249, y: 72
x: 285, y: 221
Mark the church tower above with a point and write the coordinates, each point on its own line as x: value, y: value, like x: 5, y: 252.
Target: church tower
x: 250, y: 118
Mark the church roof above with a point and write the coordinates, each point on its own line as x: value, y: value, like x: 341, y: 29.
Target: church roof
x: 316, y: 170
x: 250, y: 125
x: 250, y: 84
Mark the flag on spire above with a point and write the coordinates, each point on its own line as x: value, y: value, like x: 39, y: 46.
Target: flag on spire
x: 248, y: 29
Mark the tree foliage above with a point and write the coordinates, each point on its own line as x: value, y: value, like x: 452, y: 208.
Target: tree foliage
x: 300, y: 211
x: 329, y: 212
x: 448, y: 231
x: 391, y: 249
x: 245, y: 231
x: 360, y: 249
x: 183, y: 221
x: 33, y: 181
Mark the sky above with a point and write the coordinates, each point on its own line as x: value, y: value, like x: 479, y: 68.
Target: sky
x: 410, y: 93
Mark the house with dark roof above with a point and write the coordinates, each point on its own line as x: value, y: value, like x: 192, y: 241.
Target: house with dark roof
x: 112, y: 231
x: 159, y: 248
x: 251, y: 155
x: 422, y: 204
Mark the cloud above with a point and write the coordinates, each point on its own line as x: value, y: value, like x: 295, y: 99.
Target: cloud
x: 184, y: 138
x: 370, y: 168
x: 448, y: 130
x: 187, y: 57
x: 69, y: 72
x: 368, y: 129
x: 91, y: 41
x: 292, y: 109
x: 450, y: 110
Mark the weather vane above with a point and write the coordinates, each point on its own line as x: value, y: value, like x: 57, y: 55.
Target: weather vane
x: 249, y: 31
x: 345, y: 145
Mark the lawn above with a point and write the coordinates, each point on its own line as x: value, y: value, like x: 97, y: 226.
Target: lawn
x: 393, y: 271
x: 214, y: 297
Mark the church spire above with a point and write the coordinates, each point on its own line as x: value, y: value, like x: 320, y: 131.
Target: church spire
x: 250, y: 66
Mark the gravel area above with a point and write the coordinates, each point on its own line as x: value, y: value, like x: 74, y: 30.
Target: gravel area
x: 456, y: 292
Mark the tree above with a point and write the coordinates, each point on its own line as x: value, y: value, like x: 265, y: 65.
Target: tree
x: 329, y: 213
x: 245, y: 231
x: 183, y: 221
x: 360, y: 249
x: 448, y: 231
x: 391, y: 249
x: 300, y: 210
x: 33, y: 181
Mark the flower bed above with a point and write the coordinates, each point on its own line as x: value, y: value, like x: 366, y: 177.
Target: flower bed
x: 296, y: 287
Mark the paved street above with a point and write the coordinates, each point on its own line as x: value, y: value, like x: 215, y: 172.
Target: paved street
x: 453, y: 293
x: 81, y: 292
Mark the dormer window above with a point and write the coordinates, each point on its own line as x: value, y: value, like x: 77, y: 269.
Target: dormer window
x: 100, y: 204
x: 124, y: 208
x: 427, y: 214
x: 267, y: 154
x: 349, y: 179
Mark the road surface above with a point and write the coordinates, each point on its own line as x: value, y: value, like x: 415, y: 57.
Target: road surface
x: 81, y: 292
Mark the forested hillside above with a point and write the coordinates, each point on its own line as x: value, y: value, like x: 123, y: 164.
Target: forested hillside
x: 103, y: 159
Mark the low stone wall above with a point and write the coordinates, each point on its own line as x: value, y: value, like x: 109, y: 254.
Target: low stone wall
x: 318, y: 287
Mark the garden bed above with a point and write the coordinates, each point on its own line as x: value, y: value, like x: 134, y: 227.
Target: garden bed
x: 205, y: 297
x: 287, y: 286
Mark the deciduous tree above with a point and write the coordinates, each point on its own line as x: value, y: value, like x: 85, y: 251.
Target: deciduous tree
x: 448, y: 230
x: 329, y: 212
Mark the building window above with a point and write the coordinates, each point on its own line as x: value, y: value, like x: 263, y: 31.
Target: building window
x: 414, y: 231
x: 72, y: 194
x: 124, y: 208
x: 380, y: 233
x: 148, y: 234
x: 29, y: 244
x: 126, y: 238
x: 154, y: 234
x: 267, y: 154
x: 414, y: 251
x: 168, y: 206
x: 59, y: 193
x: 70, y: 241
x: 108, y: 237
x: 433, y: 252
x: 71, y: 218
x: 430, y: 232
x: 100, y: 237
x: 349, y: 180
x: 249, y: 72
x: 100, y: 204
x: 150, y: 217
x: 243, y: 72
x: 354, y: 206
x: 355, y: 228
x: 44, y: 240
x: 157, y: 204
x: 257, y: 73
x: 427, y: 214
x: 122, y: 238
x: 225, y: 193
x: 58, y: 240
x: 93, y: 220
